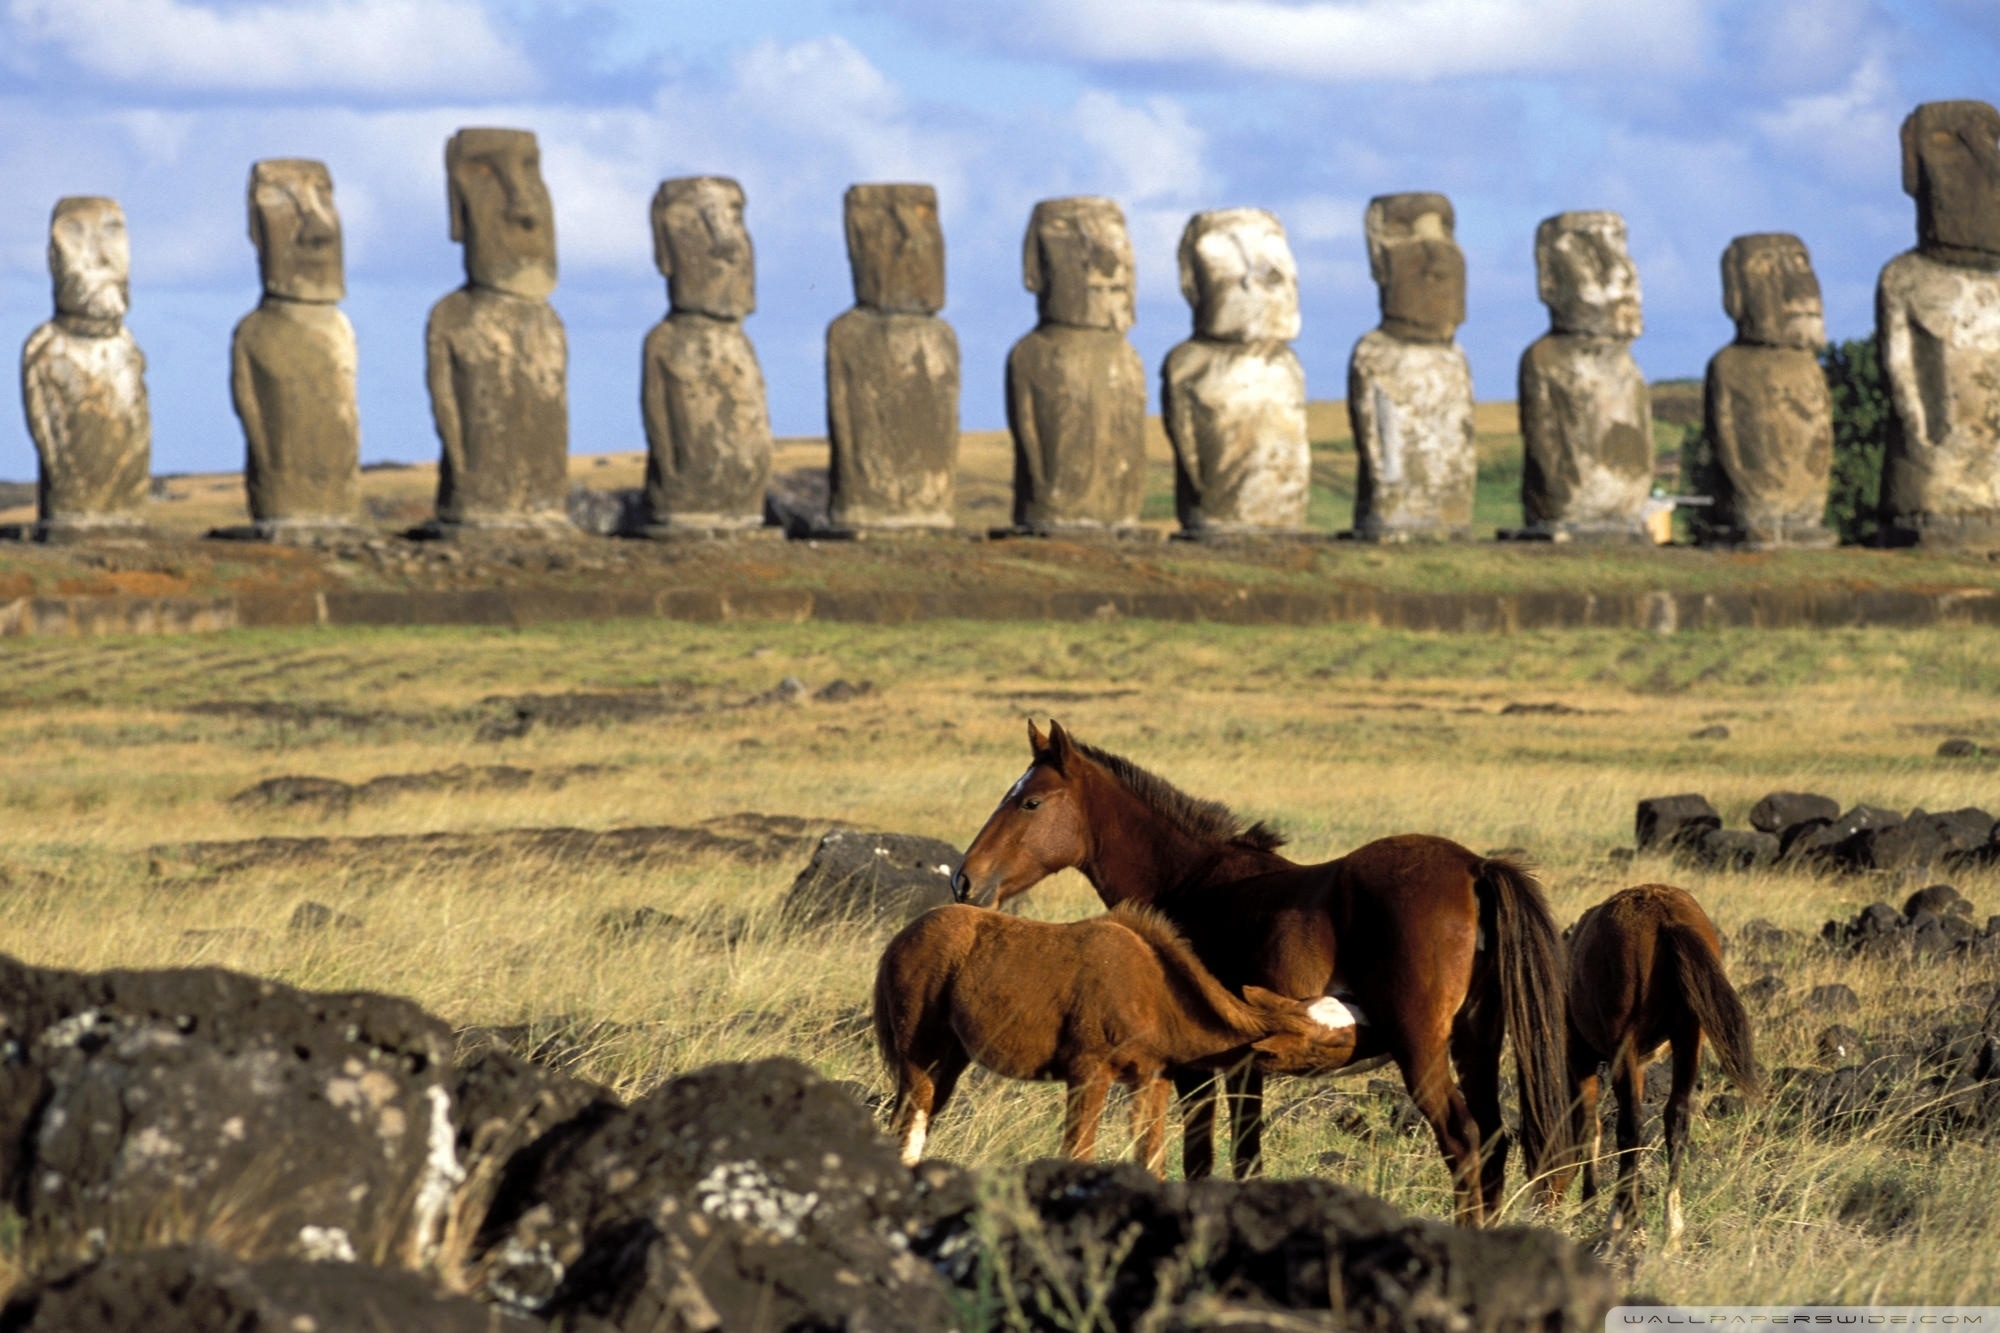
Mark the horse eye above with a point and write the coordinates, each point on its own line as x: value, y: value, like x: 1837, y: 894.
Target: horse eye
x: 1031, y: 803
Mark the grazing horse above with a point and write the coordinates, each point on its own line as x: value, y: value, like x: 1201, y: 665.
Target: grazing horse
x: 1118, y: 998
x: 1443, y: 950
x: 1645, y: 972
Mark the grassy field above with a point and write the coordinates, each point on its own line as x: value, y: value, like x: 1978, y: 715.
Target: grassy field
x: 122, y: 748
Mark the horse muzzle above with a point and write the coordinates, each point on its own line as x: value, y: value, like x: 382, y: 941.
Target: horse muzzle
x: 962, y: 890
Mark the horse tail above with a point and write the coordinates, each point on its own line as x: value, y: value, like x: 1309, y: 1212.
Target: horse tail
x: 1529, y: 956
x: 1716, y: 1006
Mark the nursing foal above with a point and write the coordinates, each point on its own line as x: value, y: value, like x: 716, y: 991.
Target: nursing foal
x: 1116, y: 998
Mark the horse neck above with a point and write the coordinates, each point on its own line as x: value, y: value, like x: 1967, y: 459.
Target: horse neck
x: 1136, y: 856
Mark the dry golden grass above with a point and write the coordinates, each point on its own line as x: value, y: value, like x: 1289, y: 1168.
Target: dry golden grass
x: 1339, y: 734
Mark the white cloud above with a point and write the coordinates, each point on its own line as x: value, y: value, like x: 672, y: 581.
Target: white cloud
x: 420, y: 47
x: 1852, y: 132
x: 1340, y: 40
x: 1150, y: 151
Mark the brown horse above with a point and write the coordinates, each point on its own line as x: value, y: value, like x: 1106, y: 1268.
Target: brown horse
x: 1445, y: 951
x: 1118, y: 998
x: 1645, y: 972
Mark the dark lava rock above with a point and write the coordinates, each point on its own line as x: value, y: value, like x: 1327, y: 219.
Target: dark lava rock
x: 1959, y: 747
x: 1840, y: 1045
x: 192, y: 1289
x: 886, y: 877
x: 630, y: 922
x: 1782, y: 809
x: 797, y: 501
x: 1734, y: 849
x: 1669, y: 821
x: 295, y: 1123
x: 1714, y: 732
x: 757, y: 1193
x: 1938, y: 900
x: 613, y: 513
x: 1835, y: 998
x: 1258, y: 1251
x: 1923, y: 839
x: 840, y: 691
x: 310, y: 916
x: 1763, y: 990
x: 1813, y: 842
x: 1764, y: 936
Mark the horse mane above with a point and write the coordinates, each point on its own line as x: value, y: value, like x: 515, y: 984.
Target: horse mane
x: 1185, y: 972
x: 1202, y: 820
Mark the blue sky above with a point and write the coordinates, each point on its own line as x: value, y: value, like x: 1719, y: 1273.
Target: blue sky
x: 1698, y: 119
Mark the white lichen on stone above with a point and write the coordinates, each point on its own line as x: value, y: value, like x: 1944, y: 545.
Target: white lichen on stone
x: 442, y: 1175
x: 741, y: 1192
x: 325, y: 1244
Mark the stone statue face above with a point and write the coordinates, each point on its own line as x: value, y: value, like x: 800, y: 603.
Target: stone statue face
x: 1586, y: 276
x: 1077, y: 260
x: 1417, y: 264
x: 1769, y: 289
x: 896, y: 248
x: 90, y: 258
x: 296, y: 230
x: 501, y: 210
x: 1238, y: 273
x: 1951, y: 164
x: 703, y: 248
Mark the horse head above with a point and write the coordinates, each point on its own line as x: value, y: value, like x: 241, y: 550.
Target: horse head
x: 1302, y: 1038
x: 1039, y: 827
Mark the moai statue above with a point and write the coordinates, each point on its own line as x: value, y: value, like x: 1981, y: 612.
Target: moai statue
x: 1937, y: 315
x: 1769, y: 416
x: 1586, y: 413
x: 1234, y: 395
x: 1409, y: 386
x: 708, y: 431
x: 83, y: 380
x: 892, y: 369
x: 496, y: 354
x: 1076, y: 389
x: 291, y: 364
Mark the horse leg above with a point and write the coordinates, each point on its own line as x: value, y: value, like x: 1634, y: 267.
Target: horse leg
x: 1674, y: 1122
x: 1475, y: 1053
x: 1628, y: 1080
x: 1149, y: 1124
x: 1083, y: 1108
x: 1590, y: 1127
x: 922, y: 1090
x: 1427, y: 1075
x: 1199, y: 1092
x: 1246, y: 1121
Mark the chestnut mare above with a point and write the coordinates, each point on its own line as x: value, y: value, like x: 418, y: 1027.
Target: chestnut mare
x: 1118, y: 998
x: 1645, y: 972
x: 1444, y: 951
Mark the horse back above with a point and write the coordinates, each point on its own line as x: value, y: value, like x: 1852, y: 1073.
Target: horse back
x: 1624, y: 980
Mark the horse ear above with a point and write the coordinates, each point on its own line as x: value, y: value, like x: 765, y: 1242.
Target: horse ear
x: 1037, y: 742
x: 1059, y: 744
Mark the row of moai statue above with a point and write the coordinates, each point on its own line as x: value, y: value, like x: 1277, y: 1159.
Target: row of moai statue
x: 1233, y: 394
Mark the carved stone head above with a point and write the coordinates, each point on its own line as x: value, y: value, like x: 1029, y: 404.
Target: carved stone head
x: 1416, y: 262
x: 296, y: 230
x: 501, y: 210
x: 1077, y: 260
x: 90, y: 258
x: 896, y: 248
x: 1586, y: 276
x: 1951, y: 164
x: 1238, y: 273
x: 1769, y: 289
x: 703, y: 248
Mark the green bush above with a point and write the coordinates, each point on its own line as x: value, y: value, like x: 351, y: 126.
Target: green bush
x: 1861, y: 425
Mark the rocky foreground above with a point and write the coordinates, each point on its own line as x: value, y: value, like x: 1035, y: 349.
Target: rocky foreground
x: 199, y: 1149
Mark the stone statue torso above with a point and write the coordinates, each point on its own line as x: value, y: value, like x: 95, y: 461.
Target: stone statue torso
x: 1236, y: 414
x: 892, y: 418
x: 85, y: 399
x: 1771, y: 422
x: 707, y: 427
x: 1940, y: 327
x: 1587, y: 421
x: 1076, y: 404
x: 293, y: 374
x: 497, y: 366
x: 1410, y: 405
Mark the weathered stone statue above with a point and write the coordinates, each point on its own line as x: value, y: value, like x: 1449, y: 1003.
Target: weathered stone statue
x: 1409, y: 386
x: 1768, y: 413
x: 1937, y: 313
x: 497, y: 358
x: 1234, y: 395
x: 708, y: 431
x: 1586, y: 414
x: 1076, y: 389
x: 291, y: 364
x: 892, y: 369
x: 83, y: 380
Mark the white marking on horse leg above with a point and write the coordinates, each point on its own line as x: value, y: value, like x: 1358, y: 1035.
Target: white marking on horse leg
x: 1675, y: 1222
x: 913, y: 1139
x: 1329, y: 1012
